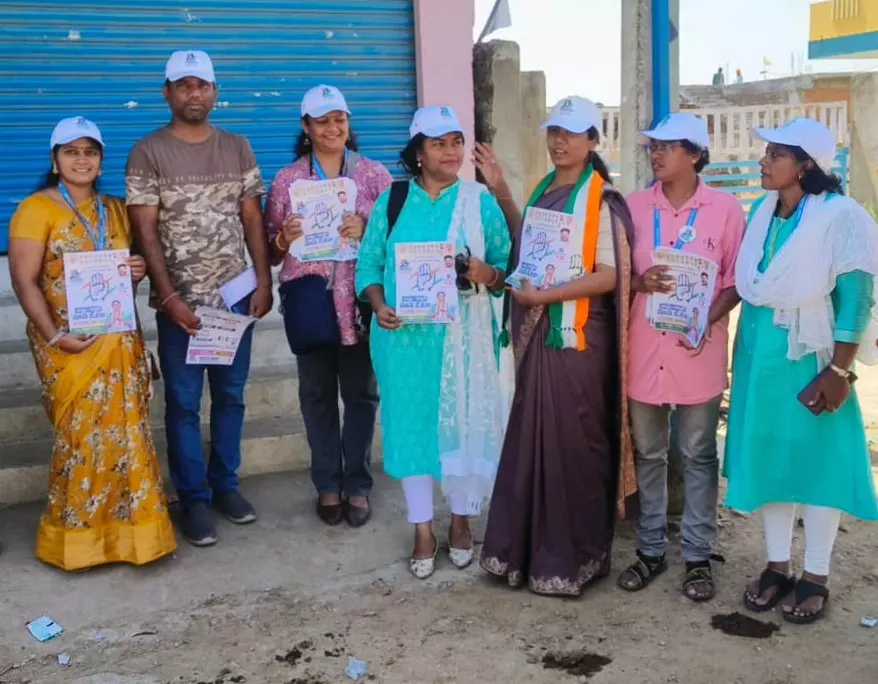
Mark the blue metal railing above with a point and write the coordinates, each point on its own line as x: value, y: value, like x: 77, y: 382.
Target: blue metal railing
x: 743, y: 179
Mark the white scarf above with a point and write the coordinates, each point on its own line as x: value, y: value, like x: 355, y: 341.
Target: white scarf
x: 472, y: 405
x: 835, y: 236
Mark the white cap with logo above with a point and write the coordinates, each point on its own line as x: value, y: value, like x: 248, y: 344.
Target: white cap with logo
x: 75, y: 128
x: 576, y: 115
x: 435, y: 121
x: 681, y: 126
x: 321, y: 100
x: 193, y: 63
x: 812, y: 136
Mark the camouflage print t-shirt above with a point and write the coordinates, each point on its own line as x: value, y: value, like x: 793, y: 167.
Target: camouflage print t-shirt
x: 199, y: 189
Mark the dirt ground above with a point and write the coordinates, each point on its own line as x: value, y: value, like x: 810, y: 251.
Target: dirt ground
x: 287, y: 601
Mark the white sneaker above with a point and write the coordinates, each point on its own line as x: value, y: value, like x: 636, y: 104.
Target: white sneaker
x: 422, y: 568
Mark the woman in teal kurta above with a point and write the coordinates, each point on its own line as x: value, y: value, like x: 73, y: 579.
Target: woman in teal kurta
x: 411, y: 360
x: 778, y: 453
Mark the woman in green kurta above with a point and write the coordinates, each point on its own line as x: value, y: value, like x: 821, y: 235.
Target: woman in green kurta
x: 442, y: 414
x: 806, y: 274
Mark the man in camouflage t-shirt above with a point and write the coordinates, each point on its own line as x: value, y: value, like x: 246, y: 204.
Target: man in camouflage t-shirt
x: 194, y: 199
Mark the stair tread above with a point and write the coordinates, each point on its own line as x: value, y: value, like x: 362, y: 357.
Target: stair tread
x: 36, y: 452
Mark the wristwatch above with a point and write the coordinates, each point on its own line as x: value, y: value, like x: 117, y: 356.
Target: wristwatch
x: 848, y: 375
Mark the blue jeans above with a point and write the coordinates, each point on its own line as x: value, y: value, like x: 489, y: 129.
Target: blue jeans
x: 696, y: 435
x: 184, y: 385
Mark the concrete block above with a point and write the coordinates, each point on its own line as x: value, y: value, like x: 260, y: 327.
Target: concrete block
x: 269, y: 392
x: 535, y: 157
x: 864, y: 139
x: 497, y: 81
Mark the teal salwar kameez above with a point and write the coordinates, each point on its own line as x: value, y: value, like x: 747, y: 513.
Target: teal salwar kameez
x: 777, y: 451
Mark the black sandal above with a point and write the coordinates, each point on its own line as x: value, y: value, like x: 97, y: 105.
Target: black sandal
x: 644, y: 570
x: 804, y: 590
x: 699, y: 573
x: 783, y: 585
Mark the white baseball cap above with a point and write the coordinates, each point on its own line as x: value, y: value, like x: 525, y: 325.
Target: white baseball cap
x: 75, y: 128
x: 435, y: 121
x: 681, y: 126
x: 575, y: 114
x: 321, y: 100
x: 812, y: 136
x: 185, y: 63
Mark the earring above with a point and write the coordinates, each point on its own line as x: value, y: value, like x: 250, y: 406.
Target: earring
x: 419, y: 163
x: 55, y: 168
x: 307, y: 139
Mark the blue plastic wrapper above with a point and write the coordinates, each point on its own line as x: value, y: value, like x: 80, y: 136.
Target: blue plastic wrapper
x: 356, y: 669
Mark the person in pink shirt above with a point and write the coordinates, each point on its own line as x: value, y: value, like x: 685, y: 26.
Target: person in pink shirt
x: 665, y: 372
x: 326, y: 327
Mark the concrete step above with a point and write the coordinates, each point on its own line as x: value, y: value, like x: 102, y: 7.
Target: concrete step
x: 270, y: 349
x: 270, y: 392
x: 270, y: 445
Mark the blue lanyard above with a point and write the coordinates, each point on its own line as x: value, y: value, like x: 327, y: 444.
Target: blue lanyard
x: 687, y: 234
x: 98, y: 236
x: 318, y: 170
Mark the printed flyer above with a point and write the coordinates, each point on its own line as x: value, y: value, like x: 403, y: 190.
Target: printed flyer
x: 323, y: 205
x: 545, y: 247
x: 100, y: 293
x: 426, y: 288
x: 684, y: 310
x: 218, y: 338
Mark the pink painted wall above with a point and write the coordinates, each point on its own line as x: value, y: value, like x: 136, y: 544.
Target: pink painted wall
x: 444, y: 45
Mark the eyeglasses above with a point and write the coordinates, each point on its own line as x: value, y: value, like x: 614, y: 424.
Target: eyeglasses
x: 662, y: 147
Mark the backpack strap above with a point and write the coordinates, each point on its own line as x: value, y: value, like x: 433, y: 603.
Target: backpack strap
x: 399, y: 191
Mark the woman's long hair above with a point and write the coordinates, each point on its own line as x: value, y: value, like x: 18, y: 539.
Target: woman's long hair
x: 815, y: 181
x: 596, y: 161
x: 305, y: 147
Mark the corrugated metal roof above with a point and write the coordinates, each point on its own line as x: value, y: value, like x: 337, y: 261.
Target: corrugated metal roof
x: 105, y: 60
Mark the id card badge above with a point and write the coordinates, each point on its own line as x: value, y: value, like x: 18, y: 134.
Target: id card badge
x: 782, y: 318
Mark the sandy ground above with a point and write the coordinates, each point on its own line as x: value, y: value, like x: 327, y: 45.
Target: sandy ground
x: 286, y: 601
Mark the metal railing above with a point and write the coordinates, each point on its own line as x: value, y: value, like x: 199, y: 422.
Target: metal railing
x: 744, y: 180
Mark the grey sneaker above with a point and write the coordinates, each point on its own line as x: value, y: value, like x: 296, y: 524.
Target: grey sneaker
x: 197, y: 525
x: 234, y: 507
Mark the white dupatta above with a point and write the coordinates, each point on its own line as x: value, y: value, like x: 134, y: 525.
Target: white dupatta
x: 835, y: 236
x: 472, y: 408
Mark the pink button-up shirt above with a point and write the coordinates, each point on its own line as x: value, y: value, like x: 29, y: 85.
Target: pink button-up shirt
x: 371, y: 179
x: 660, y: 371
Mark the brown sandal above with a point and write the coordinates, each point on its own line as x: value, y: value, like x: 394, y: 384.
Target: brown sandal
x: 699, y: 575
x: 642, y: 571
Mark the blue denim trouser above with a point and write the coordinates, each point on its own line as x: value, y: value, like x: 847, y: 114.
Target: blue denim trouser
x: 696, y: 435
x: 184, y: 385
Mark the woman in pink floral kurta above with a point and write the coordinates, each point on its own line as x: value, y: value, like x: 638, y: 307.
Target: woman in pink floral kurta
x: 340, y: 455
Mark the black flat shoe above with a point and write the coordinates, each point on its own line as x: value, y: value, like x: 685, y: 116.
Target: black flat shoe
x: 357, y: 516
x: 331, y: 514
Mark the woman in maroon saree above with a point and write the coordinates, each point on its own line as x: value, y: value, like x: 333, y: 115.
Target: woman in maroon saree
x: 566, y: 472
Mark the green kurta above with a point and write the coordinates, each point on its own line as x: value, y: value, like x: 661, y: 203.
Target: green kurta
x: 408, y: 361
x: 776, y: 450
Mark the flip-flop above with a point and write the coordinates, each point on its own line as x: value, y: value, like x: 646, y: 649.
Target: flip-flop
x: 769, y: 578
x: 806, y: 589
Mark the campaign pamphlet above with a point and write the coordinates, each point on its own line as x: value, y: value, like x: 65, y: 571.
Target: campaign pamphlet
x: 684, y: 310
x: 544, y: 254
x: 100, y: 292
x: 426, y: 288
x: 218, y: 339
x: 239, y: 287
x: 323, y: 205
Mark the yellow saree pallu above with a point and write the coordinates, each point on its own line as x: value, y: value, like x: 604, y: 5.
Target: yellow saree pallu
x: 106, y: 503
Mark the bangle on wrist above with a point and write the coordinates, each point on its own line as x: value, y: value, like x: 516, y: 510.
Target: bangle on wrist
x: 277, y: 239
x: 62, y: 332
x: 169, y: 298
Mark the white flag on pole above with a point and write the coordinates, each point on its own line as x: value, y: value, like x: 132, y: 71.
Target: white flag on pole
x: 500, y: 18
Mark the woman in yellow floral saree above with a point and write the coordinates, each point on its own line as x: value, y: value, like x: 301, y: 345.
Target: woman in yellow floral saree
x: 105, y: 502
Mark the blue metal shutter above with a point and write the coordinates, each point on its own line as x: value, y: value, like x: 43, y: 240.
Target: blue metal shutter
x: 104, y: 59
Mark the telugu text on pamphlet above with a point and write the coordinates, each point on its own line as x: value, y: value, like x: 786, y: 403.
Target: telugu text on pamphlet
x: 323, y: 205
x: 545, y: 249
x: 684, y: 310
x: 426, y: 289
x: 218, y: 339
x: 100, y: 293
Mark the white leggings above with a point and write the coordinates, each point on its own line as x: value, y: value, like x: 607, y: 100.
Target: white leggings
x: 418, y: 492
x: 821, y: 528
